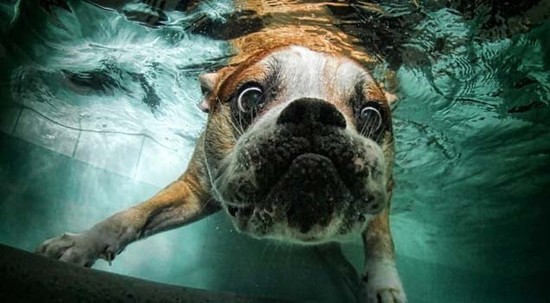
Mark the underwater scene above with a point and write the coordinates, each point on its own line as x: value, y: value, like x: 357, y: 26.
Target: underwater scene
x: 101, y: 107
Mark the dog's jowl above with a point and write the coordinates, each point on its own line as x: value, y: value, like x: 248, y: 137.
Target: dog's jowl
x: 298, y: 147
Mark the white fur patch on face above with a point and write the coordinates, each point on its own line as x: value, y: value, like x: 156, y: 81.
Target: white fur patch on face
x: 301, y: 73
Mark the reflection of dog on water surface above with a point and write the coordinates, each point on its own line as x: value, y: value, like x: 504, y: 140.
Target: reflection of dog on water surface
x: 298, y: 146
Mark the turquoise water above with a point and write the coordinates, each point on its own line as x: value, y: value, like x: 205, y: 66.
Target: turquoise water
x: 99, y: 112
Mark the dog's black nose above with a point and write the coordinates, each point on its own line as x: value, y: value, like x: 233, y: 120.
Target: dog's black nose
x: 309, y: 111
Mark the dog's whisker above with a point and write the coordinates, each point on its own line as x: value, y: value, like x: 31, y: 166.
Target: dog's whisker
x: 240, y: 124
x: 362, y: 132
x: 241, y: 121
x: 371, y: 131
x: 239, y: 131
x: 380, y: 134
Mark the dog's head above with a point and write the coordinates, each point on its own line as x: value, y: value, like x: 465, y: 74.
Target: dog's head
x: 298, y: 145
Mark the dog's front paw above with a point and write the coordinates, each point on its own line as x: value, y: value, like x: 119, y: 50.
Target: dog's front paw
x: 82, y: 249
x: 383, y: 283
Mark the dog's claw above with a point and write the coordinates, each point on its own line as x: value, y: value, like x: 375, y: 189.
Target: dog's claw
x: 66, y: 248
x: 389, y: 296
x: 109, y: 257
x: 82, y: 249
x: 383, y: 283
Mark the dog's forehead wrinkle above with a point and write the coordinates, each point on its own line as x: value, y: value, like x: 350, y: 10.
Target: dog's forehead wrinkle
x: 305, y: 73
x: 350, y: 74
x: 300, y: 71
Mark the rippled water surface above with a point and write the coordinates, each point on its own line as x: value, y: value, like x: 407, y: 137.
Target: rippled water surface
x: 99, y: 111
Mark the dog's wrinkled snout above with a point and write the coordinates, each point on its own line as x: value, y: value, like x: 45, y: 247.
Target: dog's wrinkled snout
x: 312, y: 111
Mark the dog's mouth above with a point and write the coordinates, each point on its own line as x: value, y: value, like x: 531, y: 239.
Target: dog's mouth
x: 305, y: 193
x: 307, y: 175
x: 313, y: 191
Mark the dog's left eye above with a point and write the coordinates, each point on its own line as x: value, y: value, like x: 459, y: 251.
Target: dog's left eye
x: 371, y: 119
x: 250, y: 98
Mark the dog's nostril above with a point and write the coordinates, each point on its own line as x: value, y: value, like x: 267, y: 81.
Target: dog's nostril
x: 309, y: 110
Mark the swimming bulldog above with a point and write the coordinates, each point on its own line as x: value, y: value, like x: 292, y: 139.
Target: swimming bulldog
x: 298, y: 147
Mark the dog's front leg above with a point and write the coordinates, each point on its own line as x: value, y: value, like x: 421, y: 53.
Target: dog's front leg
x: 184, y: 201
x: 381, y: 277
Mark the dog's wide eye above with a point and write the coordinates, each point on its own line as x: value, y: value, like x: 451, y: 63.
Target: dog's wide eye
x: 250, y: 98
x: 371, y: 118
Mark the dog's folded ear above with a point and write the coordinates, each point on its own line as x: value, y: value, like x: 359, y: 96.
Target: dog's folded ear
x: 208, y: 83
x: 389, y: 86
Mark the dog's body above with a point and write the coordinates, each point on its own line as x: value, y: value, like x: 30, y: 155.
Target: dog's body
x: 298, y: 147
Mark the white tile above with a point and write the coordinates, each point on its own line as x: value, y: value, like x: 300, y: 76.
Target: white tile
x: 36, y: 129
x: 159, y: 165
x: 118, y: 153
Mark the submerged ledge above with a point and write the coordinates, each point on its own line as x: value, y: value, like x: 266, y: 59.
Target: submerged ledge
x: 27, y: 277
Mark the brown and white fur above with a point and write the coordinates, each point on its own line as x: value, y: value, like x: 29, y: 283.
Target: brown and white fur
x: 298, y: 147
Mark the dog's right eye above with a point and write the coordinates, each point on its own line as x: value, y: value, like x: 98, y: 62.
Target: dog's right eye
x: 250, y: 98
